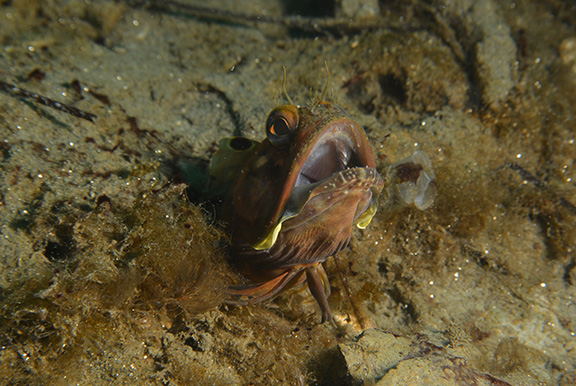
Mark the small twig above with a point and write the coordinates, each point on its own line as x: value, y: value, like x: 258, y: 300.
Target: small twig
x: 19, y: 92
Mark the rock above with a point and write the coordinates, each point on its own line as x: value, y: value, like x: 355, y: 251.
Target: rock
x: 488, y: 35
x: 358, y: 9
x: 373, y: 354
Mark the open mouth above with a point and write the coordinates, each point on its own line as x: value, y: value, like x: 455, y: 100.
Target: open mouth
x: 331, y: 155
x: 334, y: 153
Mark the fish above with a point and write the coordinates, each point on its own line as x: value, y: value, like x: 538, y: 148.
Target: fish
x: 294, y: 199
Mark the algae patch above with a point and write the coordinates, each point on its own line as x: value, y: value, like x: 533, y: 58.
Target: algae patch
x: 130, y: 272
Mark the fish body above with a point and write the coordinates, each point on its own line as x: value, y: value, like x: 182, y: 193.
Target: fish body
x: 296, y: 199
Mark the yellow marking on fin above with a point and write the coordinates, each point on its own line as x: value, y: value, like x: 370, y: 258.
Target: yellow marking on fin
x: 366, y: 217
x: 273, y: 235
x: 270, y: 239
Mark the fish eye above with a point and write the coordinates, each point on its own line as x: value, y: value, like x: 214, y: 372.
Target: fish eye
x: 280, y: 125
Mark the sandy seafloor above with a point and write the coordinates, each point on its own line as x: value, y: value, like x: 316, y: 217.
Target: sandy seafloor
x: 111, y: 272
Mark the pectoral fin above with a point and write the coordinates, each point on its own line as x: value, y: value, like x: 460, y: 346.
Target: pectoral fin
x: 255, y: 293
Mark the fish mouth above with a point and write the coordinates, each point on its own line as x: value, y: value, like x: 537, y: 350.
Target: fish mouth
x: 340, y: 164
x: 332, y: 154
x: 327, y: 167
